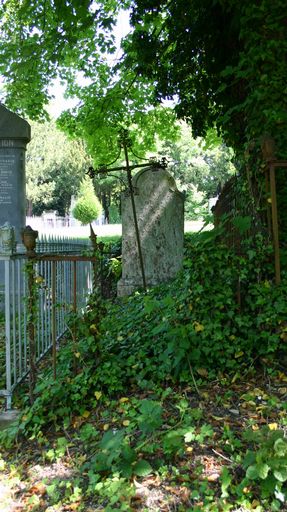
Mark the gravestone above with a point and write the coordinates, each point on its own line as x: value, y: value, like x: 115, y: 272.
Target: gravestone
x: 160, y: 214
x: 15, y: 133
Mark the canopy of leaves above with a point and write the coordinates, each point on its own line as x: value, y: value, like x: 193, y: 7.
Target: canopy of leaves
x: 193, y: 162
x: 42, y: 40
x: 87, y: 207
x: 224, y: 60
x: 75, y: 41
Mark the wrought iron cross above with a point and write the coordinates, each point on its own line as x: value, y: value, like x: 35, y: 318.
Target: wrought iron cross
x: 125, y: 144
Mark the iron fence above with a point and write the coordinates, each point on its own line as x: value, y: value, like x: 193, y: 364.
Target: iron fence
x: 61, y: 283
x: 59, y: 244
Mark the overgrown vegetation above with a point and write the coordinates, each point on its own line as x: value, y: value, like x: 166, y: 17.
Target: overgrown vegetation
x: 170, y: 398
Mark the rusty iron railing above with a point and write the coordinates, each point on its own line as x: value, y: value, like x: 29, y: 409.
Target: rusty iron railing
x: 40, y: 292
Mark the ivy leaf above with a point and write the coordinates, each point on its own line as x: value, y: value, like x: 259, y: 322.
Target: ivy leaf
x: 112, y: 440
x: 190, y: 435
x: 225, y: 482
x: 255, y: 471
x: 263, y: 470
x: 242, y: 223
x: 280, y: 447
x: 280, y: 474
x: 198, y: 327
x: 142, y: 468
x: 252, y: 472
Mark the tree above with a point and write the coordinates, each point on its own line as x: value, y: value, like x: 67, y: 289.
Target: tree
x: 55, y: 167
x: 66, y: 39
x: 44, y: 40
x: 200, y: 167
x: 223, y: 61
x: 87, y: 207
x: 195, y: 162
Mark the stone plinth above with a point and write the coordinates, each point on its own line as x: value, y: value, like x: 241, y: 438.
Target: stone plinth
x: 160, y: 214
x: 15, y: 133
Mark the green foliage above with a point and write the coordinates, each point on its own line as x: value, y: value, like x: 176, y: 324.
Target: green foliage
x: 195, y: 321
x: 114, y: 215
x: 105, y: 113
x: 115, y: 267
x: 40, y: 43
x: 200, y: 167
x: 132, y: 405
x: 267, y: 463
x: 55, y: 166
x: 87, y: 207
x: 224, y: 62
x: 217, y: 60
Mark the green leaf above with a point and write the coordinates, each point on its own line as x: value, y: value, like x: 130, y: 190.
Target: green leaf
x: 263, y: 470
x: 142, y: 468
x: 242, y: 223
x: 280, y: 474
x: 190, y: 435
x: 112, y: 440
x: 225, y: 482
x: 280, y: 447
x: 252, y: 472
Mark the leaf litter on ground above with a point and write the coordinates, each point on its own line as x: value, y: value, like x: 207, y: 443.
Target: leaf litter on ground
x: 167, y: 449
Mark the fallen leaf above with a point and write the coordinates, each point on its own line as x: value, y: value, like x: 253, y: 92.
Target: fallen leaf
x: 38, y: 488
x: 234, y: 411
x: 273, y: 426
x: 213, y: 477
x: 202, y: 372
x: 198, y: 327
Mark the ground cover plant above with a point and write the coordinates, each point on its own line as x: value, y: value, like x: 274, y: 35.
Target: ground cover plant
x: 172, y: 399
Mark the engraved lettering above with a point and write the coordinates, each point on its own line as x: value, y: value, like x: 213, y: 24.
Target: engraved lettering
x: 7, y: 143
x: 7, y: 164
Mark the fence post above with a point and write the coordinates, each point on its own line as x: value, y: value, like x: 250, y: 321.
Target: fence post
x: 8, y: 335
x: 29, y: 237
x: 54, y: 337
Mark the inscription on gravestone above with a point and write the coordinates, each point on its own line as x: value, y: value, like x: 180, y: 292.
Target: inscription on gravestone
x: 7, y: 163
x: 160, y: 214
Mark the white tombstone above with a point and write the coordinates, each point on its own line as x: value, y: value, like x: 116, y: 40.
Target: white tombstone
x: 160, y: 214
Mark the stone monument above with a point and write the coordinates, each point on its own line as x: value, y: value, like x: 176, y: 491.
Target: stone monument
x: 160, y: 214
x: 15, y: 133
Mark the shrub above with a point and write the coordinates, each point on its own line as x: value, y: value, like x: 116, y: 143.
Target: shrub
x: 87, y: 207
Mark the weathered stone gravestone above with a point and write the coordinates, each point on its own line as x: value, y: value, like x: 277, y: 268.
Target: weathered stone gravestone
x: 160, y: 214
x: 15, y: 133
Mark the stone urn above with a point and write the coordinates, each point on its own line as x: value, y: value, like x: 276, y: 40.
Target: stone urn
x: 29, y: 237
